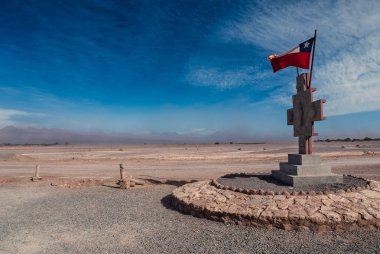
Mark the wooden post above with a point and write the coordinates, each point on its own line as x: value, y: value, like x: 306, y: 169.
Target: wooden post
x: 36, y: 176
x: 123, y: 182
x: 122, y: 171
x: 37, y: 173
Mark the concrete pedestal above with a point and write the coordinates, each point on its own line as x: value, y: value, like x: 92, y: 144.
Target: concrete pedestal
x: 302, y: 170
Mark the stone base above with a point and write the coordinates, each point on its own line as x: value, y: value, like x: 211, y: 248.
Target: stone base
x: 302, y: 170
x: 34, y: 179
x: 129, y: 182
x: 346, y: 210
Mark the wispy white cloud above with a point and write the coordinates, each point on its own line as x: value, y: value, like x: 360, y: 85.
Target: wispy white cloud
x: 278, y: 26
x: 347, y: 56
x: 223, y: 79
x: 7, y: 116
x: 197, y: 131
x: 33, y: 103
x: 351, y: 80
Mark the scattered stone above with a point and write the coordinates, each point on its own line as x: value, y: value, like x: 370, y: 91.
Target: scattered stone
x: 126, y: 182
x: 300, y: 201
x: 139, y: 182
x: 331, y: 215
x: 373, y: 212
x: 374, y: 184
x: 281, y: 214
x: 311, y: 210
x: 350, y: 216
x: 287, y: 226
x: 131, y: 182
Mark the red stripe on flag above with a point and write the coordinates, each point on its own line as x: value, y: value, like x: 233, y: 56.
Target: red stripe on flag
x: 300, y: 60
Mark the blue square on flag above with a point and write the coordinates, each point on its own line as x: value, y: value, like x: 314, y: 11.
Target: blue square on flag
x: 306, y: 46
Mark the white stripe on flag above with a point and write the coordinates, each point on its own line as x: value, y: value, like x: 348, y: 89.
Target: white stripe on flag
x: 293, y: 50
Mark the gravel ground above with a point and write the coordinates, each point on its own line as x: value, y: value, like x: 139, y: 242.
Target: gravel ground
x: 107, y: 220
x: 267, y: 182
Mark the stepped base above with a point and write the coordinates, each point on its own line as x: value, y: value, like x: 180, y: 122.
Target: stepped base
x: 299, y: 181
x: 302, y: 170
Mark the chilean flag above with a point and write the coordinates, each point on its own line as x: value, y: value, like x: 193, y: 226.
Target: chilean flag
x: 297, y: 57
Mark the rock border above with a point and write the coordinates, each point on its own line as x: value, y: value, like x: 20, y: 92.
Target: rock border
x: 335, y: 211
x: 218, y: 185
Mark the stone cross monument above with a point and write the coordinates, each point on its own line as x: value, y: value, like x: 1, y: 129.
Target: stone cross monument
x: 304, y: 168
x: 304, y: 113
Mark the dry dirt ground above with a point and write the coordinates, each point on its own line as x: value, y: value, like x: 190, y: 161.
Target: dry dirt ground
x: 93, y: 217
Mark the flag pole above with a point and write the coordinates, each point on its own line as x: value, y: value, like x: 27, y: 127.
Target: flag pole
x: 312, y: 57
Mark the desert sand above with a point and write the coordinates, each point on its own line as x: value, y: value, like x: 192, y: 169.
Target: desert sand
x: 83, y: 212
x: 179, y: 162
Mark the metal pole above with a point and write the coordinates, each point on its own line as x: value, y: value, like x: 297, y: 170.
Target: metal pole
x: 309, y: 141
x: 312, y: 57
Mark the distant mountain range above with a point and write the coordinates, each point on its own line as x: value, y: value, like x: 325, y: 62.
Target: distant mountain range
x: 348, y: 139
x: 12, y: 135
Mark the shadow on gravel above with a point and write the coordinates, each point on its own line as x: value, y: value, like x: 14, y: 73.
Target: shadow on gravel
x: 167, y: 202
x: 267, y: 178
x: 115, y: 186
x: 270, y: 179
x: 176, y: 183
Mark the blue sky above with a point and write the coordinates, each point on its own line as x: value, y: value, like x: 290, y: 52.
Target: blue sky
x: 189, y: 67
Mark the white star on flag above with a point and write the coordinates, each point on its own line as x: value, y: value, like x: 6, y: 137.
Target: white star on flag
x: 306, y: 44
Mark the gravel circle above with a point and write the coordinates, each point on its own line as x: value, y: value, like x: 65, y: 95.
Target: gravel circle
x: 268, y: 183
x: 108, y: 220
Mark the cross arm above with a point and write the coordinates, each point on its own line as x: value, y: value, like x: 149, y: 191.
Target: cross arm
x: 318, y: 110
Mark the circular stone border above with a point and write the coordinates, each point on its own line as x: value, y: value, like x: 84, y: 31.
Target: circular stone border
x: 218, y: 185
x: 319, y: 212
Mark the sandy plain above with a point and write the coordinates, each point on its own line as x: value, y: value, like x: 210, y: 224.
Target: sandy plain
x: 81, y: 213
x: 179, y: 162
